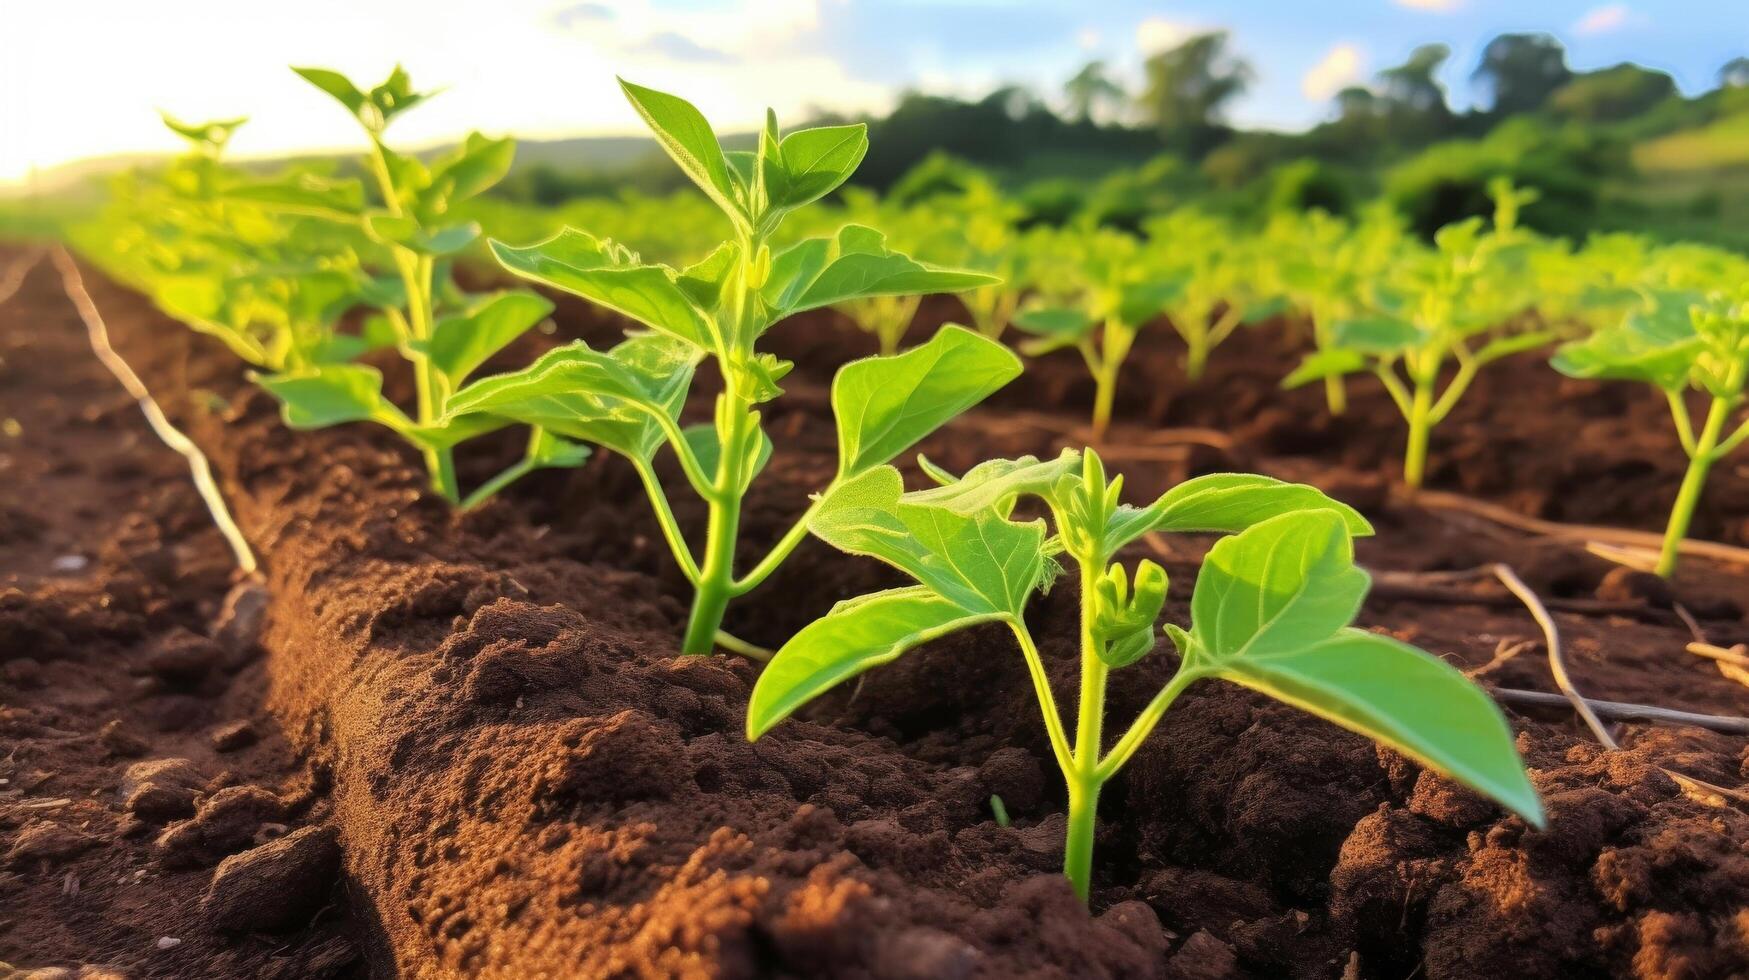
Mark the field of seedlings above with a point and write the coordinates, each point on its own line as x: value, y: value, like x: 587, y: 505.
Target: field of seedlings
x: 826, y: 586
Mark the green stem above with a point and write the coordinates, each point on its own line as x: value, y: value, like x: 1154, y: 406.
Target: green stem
x: 1684, y: 423
x: 509, y: 475
x: 1145, y: 722
x: 1335, y: 392
x: 716, y: 575
x: 665, y: 518
x: 1420, y: 431
x: 796, y: 534
x: 1104, y: 394
x: 1196, y: 355
x: 734, y: 644
x: 428, y: 382
x: 1078, y: 845
x: 1114, y: 346
x: 1041, y: 686
x: 1083, y: 778
x: 1702, y: 460
x: 1335, y: 395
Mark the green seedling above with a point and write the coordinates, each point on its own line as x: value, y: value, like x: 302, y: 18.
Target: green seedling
x: 629, y: 399
x: 1458, y: 302
x: 1271, y: 611
x: 1677, y: 344
x: 275, y: 266
x: 1108, y: 295
x: 1227, y: 282
x: 265, y: 285
x: 1333, y: 271
x: 444, y: 335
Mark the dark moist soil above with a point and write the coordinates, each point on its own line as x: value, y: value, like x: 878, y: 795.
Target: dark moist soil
x: 487, y: 713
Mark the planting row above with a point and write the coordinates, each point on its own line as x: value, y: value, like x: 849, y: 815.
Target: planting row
x: 302, y: 275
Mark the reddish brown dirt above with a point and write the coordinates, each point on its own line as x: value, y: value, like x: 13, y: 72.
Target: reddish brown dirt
x: 111, y: 576
x: 527, y: 782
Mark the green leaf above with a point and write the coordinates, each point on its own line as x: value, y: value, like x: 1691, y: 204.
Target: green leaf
x: 1055, y: 321
x: 1053, y: 328
x: 1376, y: 335
x: 1660, y: 346
x: 1401, y: 697
x: 1142, y: 302
x: 1225, y: 503
x: 858, y: 272
x: 1277, y: 586
x: 983, y: 562
x: 885, y: 405
x: 453, y: 430
x: 460, y: 344
x: 686, y: 136
x: 336, y: 85
x: 406, y: 231
x: 577, y: 262
x: 702, y: 439
x: 476, y: 165
x: 303, y: 193
x: 215, y: 133
x: 548, y: 451
x: 811, y: 163
x: 996, y: 484
x: 703, y: 281
x: 856, y: 635
x: 331, y: 395
x: 607, y: 398
x: 1327, y: 363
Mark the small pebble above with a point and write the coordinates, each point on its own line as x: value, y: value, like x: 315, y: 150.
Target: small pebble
x: 235, y: 735
x: 120, y: 741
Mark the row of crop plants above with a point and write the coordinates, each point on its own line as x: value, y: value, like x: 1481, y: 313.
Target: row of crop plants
x: 301, y: 274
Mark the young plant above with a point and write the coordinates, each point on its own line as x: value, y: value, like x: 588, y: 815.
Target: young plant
x: 1677, y: 346
x: 444, y: 335
x: 1332, y: 271
x: 274, y: 266
x: 986, y: 240
x: 629, y: 399
x: 1109, y: 293
x: 1270, y: 611
x: 267, y: 286
x: 1227, y: 283
x: 1458, y: 301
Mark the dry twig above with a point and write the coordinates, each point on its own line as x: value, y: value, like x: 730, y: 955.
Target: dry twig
x: 173, y: 437
x: 1619, y: 537
x: 1557, y: 666
x: 1626, y: 711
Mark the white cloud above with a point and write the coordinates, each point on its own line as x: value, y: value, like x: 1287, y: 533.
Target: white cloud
x: 1157, y: 34
x: 1340, y: 67
x: 1087, y: 39
x: 1434, y: 6
x: 1602, y: 20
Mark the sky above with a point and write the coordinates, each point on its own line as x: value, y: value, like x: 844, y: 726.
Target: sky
x: 81, y: 78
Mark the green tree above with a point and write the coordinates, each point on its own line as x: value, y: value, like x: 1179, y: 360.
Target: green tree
x: 1411, y: 88
x: 1091, y: 88
x: 1188, y: 86
x: 1735, y: 73
x: 1521, y: 71
x: 1612, y: 94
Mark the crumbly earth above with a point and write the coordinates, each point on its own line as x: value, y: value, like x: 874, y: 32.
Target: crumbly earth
x: 473, y: 750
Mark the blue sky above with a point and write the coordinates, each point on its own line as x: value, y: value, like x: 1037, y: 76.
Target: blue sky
x: 546, y: 67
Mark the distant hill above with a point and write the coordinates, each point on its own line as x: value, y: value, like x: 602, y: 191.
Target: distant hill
x: 593, y: 154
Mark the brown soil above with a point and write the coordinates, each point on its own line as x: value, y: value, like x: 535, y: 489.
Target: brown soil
x: 487, y: 711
